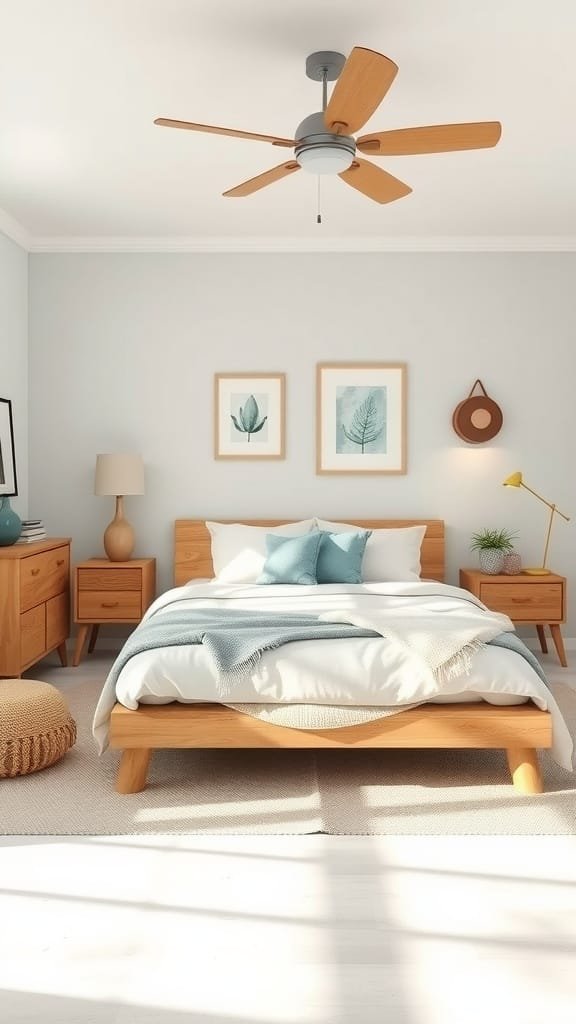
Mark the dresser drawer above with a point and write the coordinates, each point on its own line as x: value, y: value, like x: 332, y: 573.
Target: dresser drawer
x: 32, y: 634
x: 42, y: 576
x: 57, y: 620
x: 536, y: 602
x: 109, y: 579
x: 99, y: 605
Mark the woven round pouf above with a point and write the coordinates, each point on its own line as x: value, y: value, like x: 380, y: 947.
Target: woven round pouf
x: 36, y: 728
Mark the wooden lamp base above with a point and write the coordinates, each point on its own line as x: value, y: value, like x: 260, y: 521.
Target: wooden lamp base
x: 119, y: 535
x: 537, y: 571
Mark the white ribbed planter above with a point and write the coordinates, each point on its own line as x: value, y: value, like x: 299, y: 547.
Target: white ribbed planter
x: 491, y: 560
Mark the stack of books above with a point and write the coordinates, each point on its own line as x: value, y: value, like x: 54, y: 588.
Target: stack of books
x: 32, y: 529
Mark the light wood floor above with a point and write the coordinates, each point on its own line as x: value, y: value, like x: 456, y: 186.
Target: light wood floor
x: 288, y: 930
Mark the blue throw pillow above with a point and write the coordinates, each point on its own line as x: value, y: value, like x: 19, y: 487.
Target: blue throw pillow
x: 340, y: 557
x: 291, y: 559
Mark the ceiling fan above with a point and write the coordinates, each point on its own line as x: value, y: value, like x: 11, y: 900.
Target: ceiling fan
x: 324, y: 141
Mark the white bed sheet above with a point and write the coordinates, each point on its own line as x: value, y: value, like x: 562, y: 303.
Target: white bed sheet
x: 325, y: 671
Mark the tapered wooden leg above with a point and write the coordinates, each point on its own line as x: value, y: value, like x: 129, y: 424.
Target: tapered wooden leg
x: 133, y: 770
x: 80, y: 641
x: 558, y: 644
x: 63, y: 654
x: 523, y: 764
x: 93, y: 637
x: 542, y: 639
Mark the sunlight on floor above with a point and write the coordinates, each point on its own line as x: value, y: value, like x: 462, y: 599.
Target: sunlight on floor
x: 291, y: 930
x: 227, y: 809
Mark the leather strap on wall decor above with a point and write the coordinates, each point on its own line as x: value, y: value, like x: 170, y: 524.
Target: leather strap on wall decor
x: 478, y: 383
x: 478, y: 418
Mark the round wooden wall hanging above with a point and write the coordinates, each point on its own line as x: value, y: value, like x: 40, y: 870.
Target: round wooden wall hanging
x: 477, y: 418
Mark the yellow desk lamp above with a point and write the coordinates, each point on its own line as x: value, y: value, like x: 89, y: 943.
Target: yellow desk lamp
x: 516, y: 481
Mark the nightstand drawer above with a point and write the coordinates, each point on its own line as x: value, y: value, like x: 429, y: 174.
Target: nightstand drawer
x: 43, y: 576
x: 533, y: 601
x: 99, y: 605
x: 109, y: 579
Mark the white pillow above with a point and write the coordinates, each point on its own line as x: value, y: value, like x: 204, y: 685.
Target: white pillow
x: 391, y: 554
x: 239, y: 551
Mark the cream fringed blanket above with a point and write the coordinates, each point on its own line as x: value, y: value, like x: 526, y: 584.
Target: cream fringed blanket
x: 441, y: 645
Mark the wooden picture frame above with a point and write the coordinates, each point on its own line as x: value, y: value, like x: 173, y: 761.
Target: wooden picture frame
x: 8, y: 480
x: 361, y: 418
x: 249, y: 415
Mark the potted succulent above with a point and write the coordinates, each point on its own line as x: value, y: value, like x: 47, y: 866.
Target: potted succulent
x: 492, y: 546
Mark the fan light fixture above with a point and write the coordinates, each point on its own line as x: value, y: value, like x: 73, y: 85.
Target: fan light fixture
x: 325, y: 159
x: 319, y: 151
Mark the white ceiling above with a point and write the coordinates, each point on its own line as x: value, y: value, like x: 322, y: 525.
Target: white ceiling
x: 82, y: 80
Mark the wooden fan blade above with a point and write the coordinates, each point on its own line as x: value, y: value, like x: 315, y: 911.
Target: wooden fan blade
x: 374, y: 182
x: 190, y: 126
x: 261, y: 180
x: 361, y: 87
x: 436, y: 138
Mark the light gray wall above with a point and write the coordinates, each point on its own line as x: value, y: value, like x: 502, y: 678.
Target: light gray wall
x: 123, y: 349
x: 14, y: 355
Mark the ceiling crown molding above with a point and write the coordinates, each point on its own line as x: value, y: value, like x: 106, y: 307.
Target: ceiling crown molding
x: 14, y: 230
x: 319, y: 243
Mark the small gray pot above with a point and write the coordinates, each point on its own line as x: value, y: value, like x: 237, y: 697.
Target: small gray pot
x: 491, y: 561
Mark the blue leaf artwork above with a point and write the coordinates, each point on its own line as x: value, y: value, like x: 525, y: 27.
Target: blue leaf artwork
x: 249, y: 420
x: 361, y: 420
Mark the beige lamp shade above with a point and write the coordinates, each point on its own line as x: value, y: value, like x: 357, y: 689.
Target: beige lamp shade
x: 119, y: 474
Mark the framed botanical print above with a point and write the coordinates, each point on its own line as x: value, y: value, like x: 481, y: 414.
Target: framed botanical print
x: 249, y: 415
x: 8, y: 485
x: 361, y: 418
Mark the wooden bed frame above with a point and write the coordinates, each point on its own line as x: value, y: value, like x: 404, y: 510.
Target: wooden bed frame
x: 520, y: 729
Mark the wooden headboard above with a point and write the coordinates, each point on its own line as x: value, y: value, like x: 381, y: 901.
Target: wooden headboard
x: 193, y: 556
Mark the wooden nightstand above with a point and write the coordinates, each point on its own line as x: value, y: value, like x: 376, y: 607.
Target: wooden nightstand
x: 112, y: 592
x: 527, y: 600
x: 34, y: 603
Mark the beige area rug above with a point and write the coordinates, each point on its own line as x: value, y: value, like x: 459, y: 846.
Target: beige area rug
x: 358, y: 792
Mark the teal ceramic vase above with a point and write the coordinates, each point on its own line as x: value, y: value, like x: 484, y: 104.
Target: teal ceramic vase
x: 10, y: 523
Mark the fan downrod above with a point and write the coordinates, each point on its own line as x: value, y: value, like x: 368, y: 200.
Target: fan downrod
x: 325, y: 64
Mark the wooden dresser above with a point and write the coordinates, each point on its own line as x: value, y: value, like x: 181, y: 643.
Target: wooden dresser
x: 34, y: 603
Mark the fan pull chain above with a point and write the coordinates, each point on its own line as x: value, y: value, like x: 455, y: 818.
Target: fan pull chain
x: 324, y: 105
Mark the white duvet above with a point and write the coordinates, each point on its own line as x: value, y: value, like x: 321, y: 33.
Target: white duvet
x: 362, y: 672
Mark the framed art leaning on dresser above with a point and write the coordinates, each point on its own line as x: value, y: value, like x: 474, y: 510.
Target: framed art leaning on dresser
x: 361, y: 418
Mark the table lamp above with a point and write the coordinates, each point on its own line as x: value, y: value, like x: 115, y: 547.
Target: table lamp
x: 515, y: 480
x: 119, y: 475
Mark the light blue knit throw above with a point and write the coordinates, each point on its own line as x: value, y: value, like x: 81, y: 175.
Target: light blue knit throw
x: 236, y: 640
